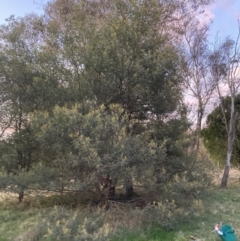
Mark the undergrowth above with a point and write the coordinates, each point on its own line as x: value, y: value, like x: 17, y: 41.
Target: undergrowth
x: 44, y: 223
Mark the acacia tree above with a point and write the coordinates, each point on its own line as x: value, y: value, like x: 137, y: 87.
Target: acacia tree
x: 92, y: 149
x: 16, y: 77
x: 136, y: 69
x: 225, y: 70
x: 93, y: 53
x: 23, y: 89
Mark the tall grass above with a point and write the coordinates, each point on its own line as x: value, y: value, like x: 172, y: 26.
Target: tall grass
x: 220, y: 205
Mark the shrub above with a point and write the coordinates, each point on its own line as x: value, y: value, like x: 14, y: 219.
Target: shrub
x: 179, y: 200
x: 60, y: 224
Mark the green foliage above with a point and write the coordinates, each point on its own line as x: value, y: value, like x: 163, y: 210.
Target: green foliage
x: 168, y: 214
x: 137, y: 69
x: 180, y: 199
x: 88, y: 146
x: 62, y: 224
x: 92, y: 90
x: 215, y: 134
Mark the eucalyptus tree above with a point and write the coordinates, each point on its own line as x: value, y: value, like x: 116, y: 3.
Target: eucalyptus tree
x: 224, y: 63
x: 198, y: 84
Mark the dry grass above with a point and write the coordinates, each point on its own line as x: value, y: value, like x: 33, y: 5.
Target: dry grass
x: 121, y: 215
x: 221, y: 205
x: 234, y: 176
x: 8, y: 197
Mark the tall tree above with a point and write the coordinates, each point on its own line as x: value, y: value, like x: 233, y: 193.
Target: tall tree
x: 225, y: 72
x: 66, y: 71
x: 136, y: 69
x: 198, y: 84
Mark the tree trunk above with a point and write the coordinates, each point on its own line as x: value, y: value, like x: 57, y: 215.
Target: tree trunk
x: 225, y: 176
x: 20, y: 195
x: 129, y: 188
x: 198, y: 130
x: 112, y: 187
x: 62, y: 189
x: 231, y: 138
x: 227, y: 167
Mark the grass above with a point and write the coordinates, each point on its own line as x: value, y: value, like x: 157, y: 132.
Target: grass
x: 151, y: 234
x: 14, y: 222
x: 221, y: 205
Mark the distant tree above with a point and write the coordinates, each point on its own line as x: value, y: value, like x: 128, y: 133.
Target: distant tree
x: 215, y: 136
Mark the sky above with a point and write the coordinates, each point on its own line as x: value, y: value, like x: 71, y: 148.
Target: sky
x: 19, y: 8
x: 224, y: 14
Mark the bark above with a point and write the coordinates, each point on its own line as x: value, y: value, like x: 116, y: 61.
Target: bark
x: 225, y: 174
x: 198, y: 130
x: 112, y: 188
x: 129, y: 188
x: 105, y: 187
x: 97, y: 186
x: 20, y: 196
x: 231, y: 138
x: 197, y: 137
x: 62, y: 189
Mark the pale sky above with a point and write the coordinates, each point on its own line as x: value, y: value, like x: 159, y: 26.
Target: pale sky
x: 19, y: 8
x: 223, y: 12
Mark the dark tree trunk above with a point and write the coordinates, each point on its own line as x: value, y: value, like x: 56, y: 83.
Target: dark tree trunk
x: 198, y: 129
x: 112, y: 188
x: 129, y: 188
x: 111, y: 193
x: 97, y: 186
x: 129, y: 191
x: 62, y: 189
x: 20, y: 196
